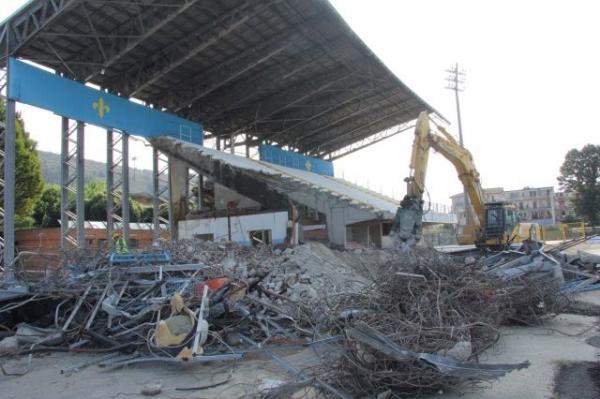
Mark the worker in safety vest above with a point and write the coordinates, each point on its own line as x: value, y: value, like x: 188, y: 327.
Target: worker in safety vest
x: 120, y: 244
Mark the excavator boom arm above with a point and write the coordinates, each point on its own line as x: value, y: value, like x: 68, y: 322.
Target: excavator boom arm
x: 407, y: 224
x: 462, y: 160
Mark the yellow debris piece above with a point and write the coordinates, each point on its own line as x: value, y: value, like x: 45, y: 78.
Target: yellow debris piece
x: 173, y: 330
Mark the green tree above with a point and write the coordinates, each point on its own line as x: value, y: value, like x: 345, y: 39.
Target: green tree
x: 580, y: 176
x: 147, y: 215
x: 94, y: 188
x: 135, y: 211
x: 95, y: 203
x: 47, y: 209
x: 29, y: 182
x: 95, y: 208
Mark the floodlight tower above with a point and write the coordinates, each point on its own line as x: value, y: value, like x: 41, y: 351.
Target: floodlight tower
x: 456, y: 80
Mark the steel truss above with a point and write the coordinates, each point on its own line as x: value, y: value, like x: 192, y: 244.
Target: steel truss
x: 21, y: 30
x: 117, y: 185
x: 182, y: 51
x: 270, y: 88
x: 369, y: 141
x: 72, y: 222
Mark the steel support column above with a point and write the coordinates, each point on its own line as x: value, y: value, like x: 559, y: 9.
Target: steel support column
x: 68, y: 177
x: 3, y: 94
x: 155, y: 197
x: 64, y: 183
x: 114, y: 161
x: 80, y: 197
x: 125, y: 192
x: 160, y: 180
x: 9, y: 191
x: 110, y: 181
x: 2, y: 135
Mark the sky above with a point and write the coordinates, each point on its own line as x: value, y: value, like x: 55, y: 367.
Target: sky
x: 532, y: 79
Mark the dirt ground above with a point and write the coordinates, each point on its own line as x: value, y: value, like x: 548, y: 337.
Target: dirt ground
x: 562, y: 341
x: 562, y: 355
x: 252, y: 375
x: 555, y: 351
x: 580, y: 380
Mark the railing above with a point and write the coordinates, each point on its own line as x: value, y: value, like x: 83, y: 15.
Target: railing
x: 437, y: 208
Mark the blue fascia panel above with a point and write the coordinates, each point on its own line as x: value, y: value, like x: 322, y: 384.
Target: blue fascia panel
x: 276, y: 155
x: 34, y: 86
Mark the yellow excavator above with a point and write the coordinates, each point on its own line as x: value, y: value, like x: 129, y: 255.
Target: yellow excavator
x: 493, y: 226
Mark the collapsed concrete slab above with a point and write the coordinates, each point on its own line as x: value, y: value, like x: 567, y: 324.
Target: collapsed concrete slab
x: 350, y: 212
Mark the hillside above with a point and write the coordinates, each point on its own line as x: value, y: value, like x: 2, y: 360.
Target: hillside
x: 141, y: 182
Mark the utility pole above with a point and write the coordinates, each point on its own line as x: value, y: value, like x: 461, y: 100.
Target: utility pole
x: 456, y: 80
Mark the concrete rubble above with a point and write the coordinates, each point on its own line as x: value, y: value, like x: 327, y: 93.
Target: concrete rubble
x: 385, y: 323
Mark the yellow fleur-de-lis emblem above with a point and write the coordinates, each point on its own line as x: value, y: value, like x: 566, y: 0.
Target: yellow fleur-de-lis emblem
x: 308, y: 165
x: 101, y: 106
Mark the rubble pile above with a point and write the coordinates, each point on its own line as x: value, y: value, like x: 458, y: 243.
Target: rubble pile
x: 580, y: 267
x: 307, y: 271
x: 206, y: 298
x: 101, y: 308
x: 312, y: 269
x: 427, y: 316
x: 225, y: 255
x: 404, y: 323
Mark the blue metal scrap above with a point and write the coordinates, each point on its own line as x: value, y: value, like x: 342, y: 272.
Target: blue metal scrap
x: 139, y: 258
x: 581, y: 285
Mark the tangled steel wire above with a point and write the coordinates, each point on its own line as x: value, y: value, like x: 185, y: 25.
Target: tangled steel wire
x: 428, y: 302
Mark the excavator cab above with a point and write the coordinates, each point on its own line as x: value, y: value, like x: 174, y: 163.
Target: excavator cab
x: 500, y: 222
x: 494, y: 225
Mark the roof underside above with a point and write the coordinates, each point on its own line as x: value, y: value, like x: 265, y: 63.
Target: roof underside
x: 289, y: 72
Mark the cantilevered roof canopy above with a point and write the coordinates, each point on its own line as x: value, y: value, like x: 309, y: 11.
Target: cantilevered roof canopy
x: 290, y: 72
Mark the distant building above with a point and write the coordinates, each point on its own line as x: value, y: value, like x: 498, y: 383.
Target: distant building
x: 563, y: 205
x: 533, y: 204
x: 494, y: 194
